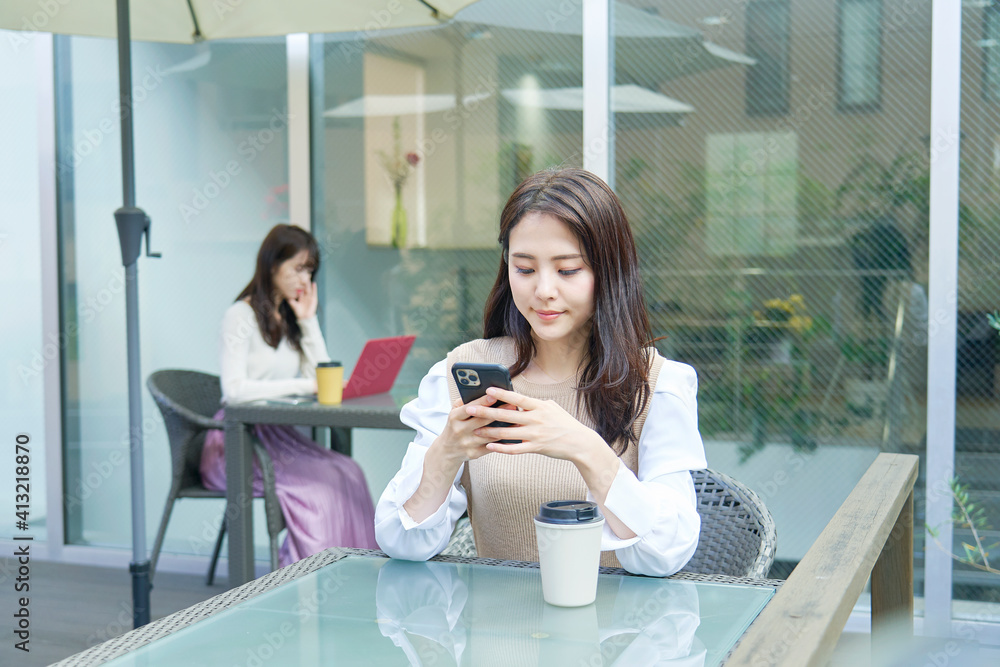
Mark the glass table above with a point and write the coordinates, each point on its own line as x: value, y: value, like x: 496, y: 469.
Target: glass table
x: 359, y: 607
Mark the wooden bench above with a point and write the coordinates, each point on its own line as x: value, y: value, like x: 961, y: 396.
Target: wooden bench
x: 871, y: 534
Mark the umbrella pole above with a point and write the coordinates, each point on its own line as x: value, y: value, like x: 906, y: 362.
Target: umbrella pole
x: 132, y: 224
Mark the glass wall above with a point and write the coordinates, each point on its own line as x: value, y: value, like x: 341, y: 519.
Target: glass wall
x: 211, y: 171
x: 27, y: 352
x: 421, y: 136
x: 977, y: 435
x: 782, y: 222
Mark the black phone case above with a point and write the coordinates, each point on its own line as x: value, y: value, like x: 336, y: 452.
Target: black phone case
x: 489, y: 375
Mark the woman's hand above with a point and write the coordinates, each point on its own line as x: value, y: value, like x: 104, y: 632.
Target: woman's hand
x: 306, y: 304
x: 543, y: 427
x: 458, y: 441
x: 457, y: 444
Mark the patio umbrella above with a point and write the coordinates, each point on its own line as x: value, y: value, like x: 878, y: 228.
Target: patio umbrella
x: 187, y: 21
x: 369, y: 106
x: 627, y: 99
x: 648, y: 49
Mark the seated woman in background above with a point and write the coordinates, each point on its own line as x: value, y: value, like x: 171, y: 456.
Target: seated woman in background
x: 270, y: 345
x: 599, y: 413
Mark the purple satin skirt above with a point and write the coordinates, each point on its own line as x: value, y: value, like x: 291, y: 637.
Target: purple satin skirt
x: 322, y: 493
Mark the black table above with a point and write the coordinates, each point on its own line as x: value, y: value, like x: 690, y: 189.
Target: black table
x: 378, y: 411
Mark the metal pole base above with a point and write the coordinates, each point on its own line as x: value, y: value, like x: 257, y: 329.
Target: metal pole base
x: 141, y: 586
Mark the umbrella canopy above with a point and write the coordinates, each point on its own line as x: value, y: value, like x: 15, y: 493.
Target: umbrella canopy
x: 640, y: 38
x: 624, y: 99
x: 398, y: 105
x: 648, y: 49
x: 189, y: 21
x: 633, y: 106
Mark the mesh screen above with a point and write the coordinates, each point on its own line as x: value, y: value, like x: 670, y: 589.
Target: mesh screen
x: 783, y: 228
x: 977, y: 419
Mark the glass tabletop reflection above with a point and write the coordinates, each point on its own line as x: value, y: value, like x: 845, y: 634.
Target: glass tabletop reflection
x: 391, y: 612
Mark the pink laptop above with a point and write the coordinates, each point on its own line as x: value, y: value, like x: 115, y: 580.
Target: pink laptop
x: 378, y: 366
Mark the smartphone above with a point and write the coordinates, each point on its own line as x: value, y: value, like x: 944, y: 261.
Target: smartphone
x: 474, y: 379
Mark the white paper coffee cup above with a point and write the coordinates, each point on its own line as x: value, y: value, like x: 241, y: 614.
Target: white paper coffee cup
x: 569, y: 551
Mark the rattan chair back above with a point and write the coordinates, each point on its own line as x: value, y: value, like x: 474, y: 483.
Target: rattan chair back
x: 738, y: 536
x: 188, y: 401
x: 737, y: 532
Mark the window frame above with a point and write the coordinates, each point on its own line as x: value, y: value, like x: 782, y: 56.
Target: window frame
x: 991, y: 13
x: 755, y: 105
x: 868, y: 106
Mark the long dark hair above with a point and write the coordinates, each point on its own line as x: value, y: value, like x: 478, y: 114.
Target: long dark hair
x: 281, y: 243
x: 614, y: 385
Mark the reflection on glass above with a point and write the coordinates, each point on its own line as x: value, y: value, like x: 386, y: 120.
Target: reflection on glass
x: 439, y: 614
x: 211, y: 172
x: 366, y: 610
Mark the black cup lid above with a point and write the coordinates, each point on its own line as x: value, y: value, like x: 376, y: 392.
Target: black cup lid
x: 329, y: 364
x: 568, y: 512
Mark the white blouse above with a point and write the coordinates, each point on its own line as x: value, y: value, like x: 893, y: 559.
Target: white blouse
x: 658, y: 504
x: 251, y: 369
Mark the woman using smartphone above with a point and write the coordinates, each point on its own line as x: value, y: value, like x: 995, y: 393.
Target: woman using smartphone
x: 598, y: 413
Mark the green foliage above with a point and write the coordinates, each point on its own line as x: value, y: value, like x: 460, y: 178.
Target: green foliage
x: 873, y: 189
x: 662, y: 216
x: 969, y: 516
x: 994, y: 320
x: 872, y: 352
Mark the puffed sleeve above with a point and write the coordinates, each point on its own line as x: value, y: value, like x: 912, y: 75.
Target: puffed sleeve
x: 239, y: 327
x: 658, y: 504
x: 397, y: 534
x: 313, y: 346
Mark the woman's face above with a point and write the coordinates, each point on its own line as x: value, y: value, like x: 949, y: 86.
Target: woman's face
x: 292, y: 277
x: 552, y: 284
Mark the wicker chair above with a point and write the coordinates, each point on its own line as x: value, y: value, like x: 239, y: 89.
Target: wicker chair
x: 737, y: 533
x: 188, y: 401
x: 462, y: 542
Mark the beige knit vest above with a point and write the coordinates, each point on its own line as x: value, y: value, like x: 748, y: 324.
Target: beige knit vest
x: 506, y: 491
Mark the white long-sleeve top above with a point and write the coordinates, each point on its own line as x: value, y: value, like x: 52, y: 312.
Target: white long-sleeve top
x: 657, y: 504
x: 251, y: 369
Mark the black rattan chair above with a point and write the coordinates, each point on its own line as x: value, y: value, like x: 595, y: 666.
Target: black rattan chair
x: 738, y: 537
x: 188, y: 401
